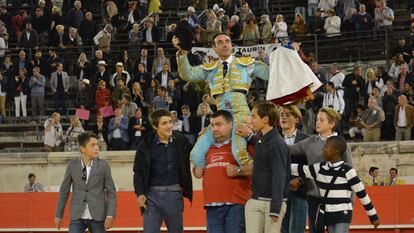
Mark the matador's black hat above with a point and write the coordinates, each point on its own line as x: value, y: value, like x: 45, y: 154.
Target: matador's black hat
x: 184, y: 34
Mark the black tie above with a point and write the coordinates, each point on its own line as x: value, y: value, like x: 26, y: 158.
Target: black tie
x: 225, y: 68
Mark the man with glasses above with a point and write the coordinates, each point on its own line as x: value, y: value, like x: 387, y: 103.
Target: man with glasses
x: 93, y: 202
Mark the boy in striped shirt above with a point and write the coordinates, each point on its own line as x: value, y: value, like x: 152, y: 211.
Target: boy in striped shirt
x: 338, y: 203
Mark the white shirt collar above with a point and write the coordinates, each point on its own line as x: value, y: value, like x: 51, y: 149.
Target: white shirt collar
x: 217, y: 144
x: 293, y: 135
x: 229, y: 60
x: 333, y: 134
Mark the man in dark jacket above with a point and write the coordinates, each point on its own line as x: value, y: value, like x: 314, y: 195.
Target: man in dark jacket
x: 353, y: 84
x: 138, y: 127
x: 162, y: 175
x: 271, y: 169
x: 316, y: 22
x: 29, y: 38
x: 88, y: 30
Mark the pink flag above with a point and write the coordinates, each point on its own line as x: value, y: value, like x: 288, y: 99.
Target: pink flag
x: 106, y: 111
x: 82, y: 114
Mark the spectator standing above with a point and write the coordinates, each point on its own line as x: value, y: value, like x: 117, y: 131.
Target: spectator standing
x: 83, y: 96
x: 371, y: 121
x: 82, y: 68
x: 29, y: 38
x: 144, y: 78
x: 224, y: 209
x: 88, y: 30
x: 403, y: 119
x: 164, y: 76
x: 393, y: 178
x: 72, y: 133
x: 162, y: 100
x: 120, y: 91
x: 37, y: 85
x: 332, y: 24
x: 333, y: 99
x: 147, y: 61
x: 395, y: 68
x: 41, y: 62
x: 138, y: 127
x: 162, y: 175
x: 298, y: 28
x: 189, y: 124
x: 403, y: 78
x: 384, y: 16
x: 245, y: 14
x: 92, y: 181
x: 159, y: 62
x: 60, y: 87
x: 75, y: 16
x: 118, y: 131
x: 40, y: 25
x: 120, y: 74
x: 204, y: 115
x: 3, y: 93
x: 389, y: 101
x: 265, y: 29
x: 353, y: 84
x: 405, y: 49
x: 60, y: 39
x: 103, y: 96
x: 337, y: 77
x: 265, y: 211
x: 177, y: 123
x: 234, y: 27
x: 56, y: 19
x: 250, y: 34
x: 355, y: 122
x: 20, y: 90
x: 101, y: 75
x: 316, y: 23
x: 363, y: 23
x: 279, y: 29
x: 128, y: 107
x: 150, y: 34
x: 53, y: 133
x: 33, y: 186
x: 192, y: 17
x: 300, y: 8
x: 103, y: 39
x: 134, y: 36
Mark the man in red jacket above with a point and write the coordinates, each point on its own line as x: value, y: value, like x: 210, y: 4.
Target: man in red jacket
x: 224, y: 196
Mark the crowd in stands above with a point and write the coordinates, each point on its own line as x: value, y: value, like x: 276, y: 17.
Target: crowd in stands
x: 144, y: 77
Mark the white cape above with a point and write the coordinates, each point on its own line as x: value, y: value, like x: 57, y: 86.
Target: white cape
x: 288, y: 74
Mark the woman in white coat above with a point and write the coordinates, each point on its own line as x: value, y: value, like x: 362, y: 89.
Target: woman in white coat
x: 332, y: 24
x: 279, y: 29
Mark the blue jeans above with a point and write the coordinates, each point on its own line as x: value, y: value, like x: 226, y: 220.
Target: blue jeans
x: 225, y: 219
x: 339, y: 228
x: 80, y: 225
x: 296, y: 214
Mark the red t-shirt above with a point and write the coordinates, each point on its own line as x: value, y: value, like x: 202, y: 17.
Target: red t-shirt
x: 217, y: 186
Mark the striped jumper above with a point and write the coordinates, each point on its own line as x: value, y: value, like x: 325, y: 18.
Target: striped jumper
x: 338, y: 204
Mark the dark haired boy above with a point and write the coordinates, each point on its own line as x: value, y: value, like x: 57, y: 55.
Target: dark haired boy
x: 340, y: 180
x: 93, y: 202
x: 162, y: 175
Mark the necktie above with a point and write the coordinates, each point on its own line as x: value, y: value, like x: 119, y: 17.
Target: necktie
x: 225, y: 68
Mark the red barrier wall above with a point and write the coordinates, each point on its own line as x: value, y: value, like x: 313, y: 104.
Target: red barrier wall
x: 395, y: 206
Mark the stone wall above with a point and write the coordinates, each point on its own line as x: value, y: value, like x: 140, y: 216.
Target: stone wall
x: 50, y: 167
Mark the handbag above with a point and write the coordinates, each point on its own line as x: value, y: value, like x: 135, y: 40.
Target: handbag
x: 320, y: 214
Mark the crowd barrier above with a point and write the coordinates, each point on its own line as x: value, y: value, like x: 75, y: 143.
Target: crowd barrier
x: 34, y: 212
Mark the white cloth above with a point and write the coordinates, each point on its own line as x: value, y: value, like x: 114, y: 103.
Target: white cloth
x: 164, y: 79
x: 402, y: 118
x: 288, y: 74
x: 178, y: 125
x: 86, y: 214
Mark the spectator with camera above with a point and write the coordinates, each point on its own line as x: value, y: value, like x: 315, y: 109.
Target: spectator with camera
x: 53, y: 133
